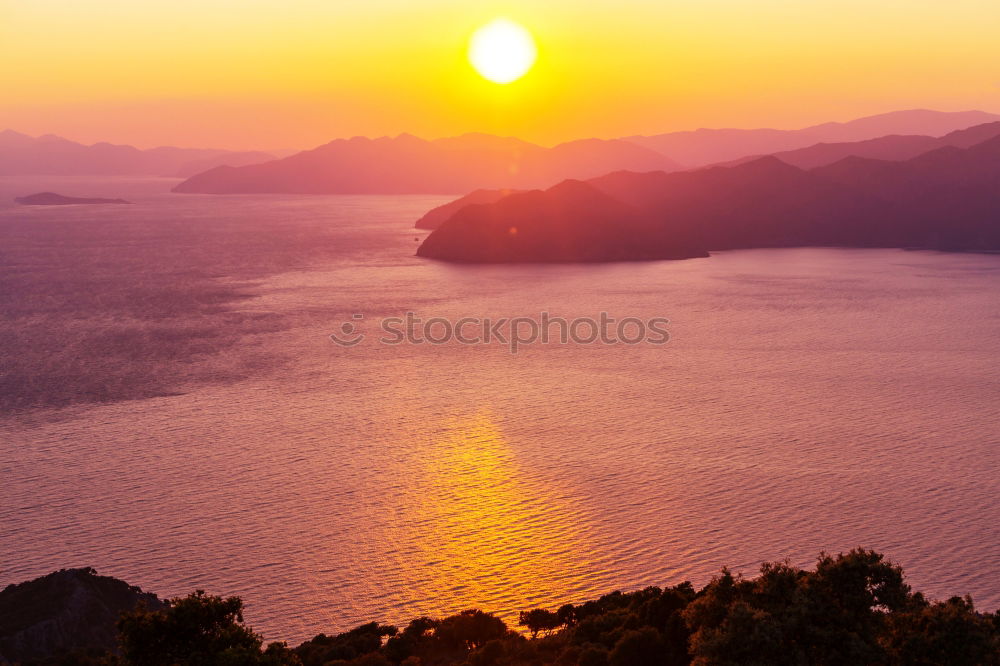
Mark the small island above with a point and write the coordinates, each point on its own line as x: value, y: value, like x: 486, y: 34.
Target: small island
x: 53, y: 199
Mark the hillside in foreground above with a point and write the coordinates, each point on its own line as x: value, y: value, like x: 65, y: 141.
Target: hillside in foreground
x: 67, y: 610
x: 854, y: 608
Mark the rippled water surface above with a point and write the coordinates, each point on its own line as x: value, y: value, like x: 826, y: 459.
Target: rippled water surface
x: 211, y: 435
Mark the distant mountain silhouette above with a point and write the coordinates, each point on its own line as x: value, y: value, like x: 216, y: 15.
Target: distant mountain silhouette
x: 409, y: 165
x: 946, y: 199
x: 53, y: 199
x: 571, y: 222
x: 712, y: 146
x: 22, y: 155
x: 894, y: 147
x: 949, y: 197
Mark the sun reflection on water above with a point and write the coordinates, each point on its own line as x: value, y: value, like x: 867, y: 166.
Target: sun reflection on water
x: 490, y: 533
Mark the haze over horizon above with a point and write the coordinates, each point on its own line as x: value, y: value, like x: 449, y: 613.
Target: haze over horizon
x: 290, y: 150
x: 258, y: 76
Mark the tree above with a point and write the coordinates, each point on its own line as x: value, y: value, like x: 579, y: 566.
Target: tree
x: 197, y: 630
x: 470, y: 629
x: 639, y: 648
x: 833, y: 615
x: 539, y: 619
x: 853, y: 608
x: 409, y: 643
x: 358, y: 642
x: 593, y: 655
x: 949, y: 632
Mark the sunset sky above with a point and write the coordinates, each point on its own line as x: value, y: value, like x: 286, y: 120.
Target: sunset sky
x: 297, y: 73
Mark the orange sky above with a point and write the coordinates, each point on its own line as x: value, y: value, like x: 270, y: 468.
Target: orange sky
x: 297, y: 73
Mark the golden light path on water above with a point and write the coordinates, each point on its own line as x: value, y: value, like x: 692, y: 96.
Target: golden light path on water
x: 487, y: 533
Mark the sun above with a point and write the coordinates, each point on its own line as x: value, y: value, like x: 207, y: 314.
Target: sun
x: 502, y: 51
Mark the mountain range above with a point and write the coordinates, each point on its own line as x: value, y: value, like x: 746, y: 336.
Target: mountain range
x: 51, y: 155
x: 409, y: 165
x: 894, y: 147
x: 948, y: 198
x: 703, y: 147
x: 891, y: 148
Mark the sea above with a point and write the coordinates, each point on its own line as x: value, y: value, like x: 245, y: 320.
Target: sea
x: 177, y: 412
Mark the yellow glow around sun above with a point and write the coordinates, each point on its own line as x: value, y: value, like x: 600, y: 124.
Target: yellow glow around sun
x: 502, y: 51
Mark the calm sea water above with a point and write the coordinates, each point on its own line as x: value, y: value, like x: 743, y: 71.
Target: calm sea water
x: 210, y: 435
